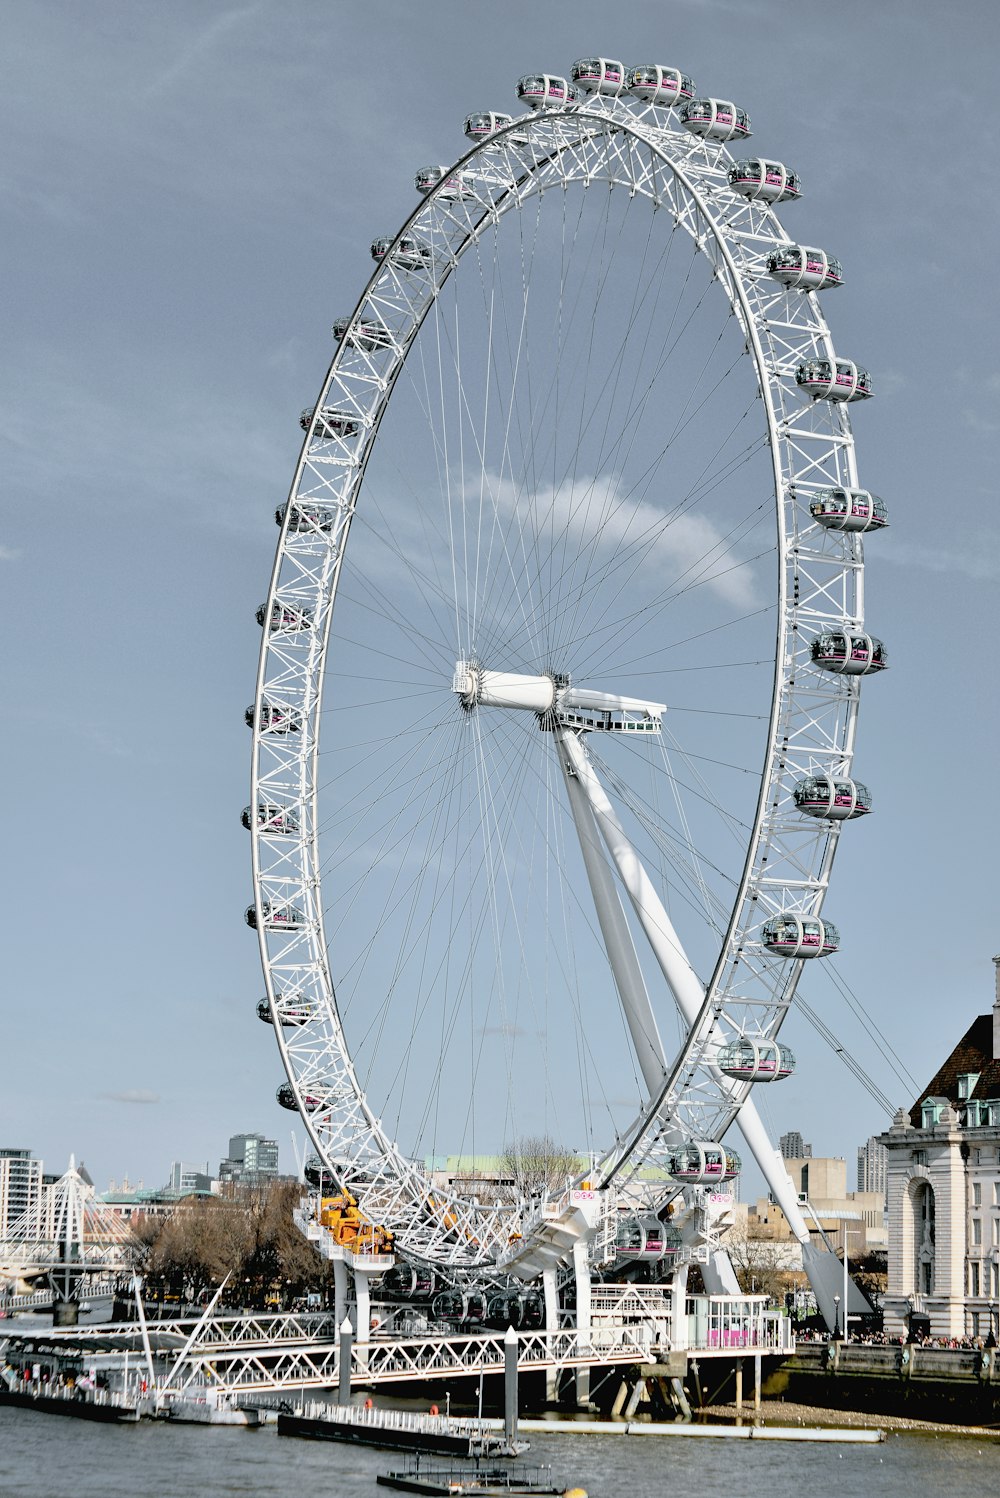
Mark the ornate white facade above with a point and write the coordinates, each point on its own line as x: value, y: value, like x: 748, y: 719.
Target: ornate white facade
x: 944, y: 1193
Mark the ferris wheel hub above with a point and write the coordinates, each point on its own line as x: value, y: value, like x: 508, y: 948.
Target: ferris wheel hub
x: 554, y: 699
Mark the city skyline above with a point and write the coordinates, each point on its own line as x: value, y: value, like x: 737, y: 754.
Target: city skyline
x: 178, y: 256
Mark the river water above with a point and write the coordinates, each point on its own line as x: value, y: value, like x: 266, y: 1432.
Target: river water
x: 50, y: 1456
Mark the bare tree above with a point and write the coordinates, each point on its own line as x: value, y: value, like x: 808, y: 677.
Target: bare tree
x: 536, y: 1164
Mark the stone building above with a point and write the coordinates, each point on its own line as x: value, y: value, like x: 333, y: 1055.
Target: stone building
x: 944, y: 1193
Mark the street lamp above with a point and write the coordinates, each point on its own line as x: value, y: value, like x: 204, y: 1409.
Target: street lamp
x: 909, y: 1317
x: 836, y: 1318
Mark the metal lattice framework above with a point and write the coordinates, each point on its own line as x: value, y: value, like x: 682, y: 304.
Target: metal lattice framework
x: 642, y: 153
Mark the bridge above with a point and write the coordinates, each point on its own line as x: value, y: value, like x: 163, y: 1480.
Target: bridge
x: 277, y: 1354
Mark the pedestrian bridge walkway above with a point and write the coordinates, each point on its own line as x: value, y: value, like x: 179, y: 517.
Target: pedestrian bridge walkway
x: 276, y: 1354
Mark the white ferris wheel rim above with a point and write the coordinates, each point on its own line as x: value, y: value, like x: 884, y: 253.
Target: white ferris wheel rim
x: 812, y: 717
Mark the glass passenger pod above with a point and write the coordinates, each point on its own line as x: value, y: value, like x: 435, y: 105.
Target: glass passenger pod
x: 275, y: 917
x: 849, y: 654
x: 409, y: 1281
x: 486, y: 122
x: 275, y: 718
x: 330, y: 423
x: 459, y: 1305
x: 286, y: 618
x: 312, y: 1101
x: 715, y: 119
x: 366, y: 335
x: 841, y: 380
x: 546, y: 91
x: 832, y: 800
x: 277, y: 821
x: 524, y: 1310
x: 798, y: 266
x: 800, y: 936
x: 699, y: 1163
x: 848, y: 510
x: 291, y: 1010
x: 646, y: 1238
x: 452, y: 187
x: 409, y: 253
x: 769, y: 181
x: 599, y: 75
x: 747, y: 1060
x: 307, y: 516
x: 662, y: 86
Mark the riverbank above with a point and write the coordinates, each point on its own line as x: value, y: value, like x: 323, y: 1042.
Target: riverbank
x: 786, y: 1412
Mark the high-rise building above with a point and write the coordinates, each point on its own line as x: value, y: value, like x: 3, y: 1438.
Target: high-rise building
x: 20, y: 1186
x: 187, y: 1178
x: 251, y: 1157
x: 873, y: 1161
x: 793, y: 1147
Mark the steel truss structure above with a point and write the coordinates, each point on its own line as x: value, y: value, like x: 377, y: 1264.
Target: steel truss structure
x: 625, y: 146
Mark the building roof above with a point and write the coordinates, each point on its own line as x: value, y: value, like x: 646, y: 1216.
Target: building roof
x: 974, y: 1053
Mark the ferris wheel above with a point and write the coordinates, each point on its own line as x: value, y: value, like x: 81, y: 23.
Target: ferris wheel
x: 562, y: 651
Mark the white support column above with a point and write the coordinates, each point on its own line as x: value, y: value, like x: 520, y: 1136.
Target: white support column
x: 551, y: 1293
x: 636, y: 1007
x: 678, y: 1309
x: 684, y: 983
x: 340, y: 1287
x: 362, y: 1296
x: 581, y: 1266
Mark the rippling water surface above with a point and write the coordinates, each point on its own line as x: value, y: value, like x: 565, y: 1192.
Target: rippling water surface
x: 48, y: 1456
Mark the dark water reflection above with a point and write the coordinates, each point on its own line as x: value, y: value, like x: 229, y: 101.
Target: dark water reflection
x: 43, y: 1456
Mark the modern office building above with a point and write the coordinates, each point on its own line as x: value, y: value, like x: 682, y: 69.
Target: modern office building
x: 251, y: 1158
x: 20, y: 1186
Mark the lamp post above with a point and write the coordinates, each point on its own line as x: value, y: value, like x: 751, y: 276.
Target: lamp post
x: 909, y: 1318
x: 836, y: 1318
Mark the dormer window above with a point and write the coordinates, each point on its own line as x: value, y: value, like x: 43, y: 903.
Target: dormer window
x: 967, y: 1085
x: 930, y: 1111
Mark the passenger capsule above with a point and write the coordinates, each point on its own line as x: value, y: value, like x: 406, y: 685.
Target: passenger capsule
x: 848, y: 510
x: 275, y: 718
x: 699, y: 1163
x: 285, y: 618
x: 716, y: 119
x: 275, y: 917
x: 747, y: 1060
x: 329, y: 423
x: 454, y: 187
x: 276, y: 821
x: 407, y: 253
x: 546, y: 91
x: 767, y: 181
x: 842, y: 380
x: 486, y: 122
x: 312, y: 1100
x: 409, y: 1281
x: 800, y: 936
x: 797, y: 265
x: 524, y: 1310
x: 662, y: 86
x: 307, y: 516
x: 366, y: 335
x: 599, y: 75
x: 646, y: 1239
x: 291, y: 1010
x: 832, y: 800
x: 849, y: 654
x: 459, y: 1305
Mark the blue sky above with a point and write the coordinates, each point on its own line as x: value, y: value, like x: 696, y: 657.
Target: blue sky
x: 188, y: 196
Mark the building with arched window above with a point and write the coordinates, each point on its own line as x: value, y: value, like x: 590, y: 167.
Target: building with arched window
x: 943, y: 1179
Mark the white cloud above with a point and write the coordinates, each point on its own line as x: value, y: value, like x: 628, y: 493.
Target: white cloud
x: 131, y: 1095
